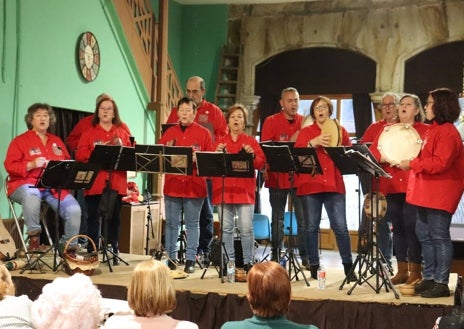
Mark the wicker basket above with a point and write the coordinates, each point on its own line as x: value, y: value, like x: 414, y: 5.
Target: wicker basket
x: 80, y: 263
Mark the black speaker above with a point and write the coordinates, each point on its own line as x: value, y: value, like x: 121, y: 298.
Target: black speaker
x: 215, y: 254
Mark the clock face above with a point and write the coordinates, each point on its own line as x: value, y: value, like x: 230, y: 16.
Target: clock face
x: 89, y: 56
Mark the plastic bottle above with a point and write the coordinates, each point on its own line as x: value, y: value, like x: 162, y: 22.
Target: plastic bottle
x: 201, y: 258
x: 321, y: 277
x: 165, y: 258
x: 283, y: 262
x: 231, y: 271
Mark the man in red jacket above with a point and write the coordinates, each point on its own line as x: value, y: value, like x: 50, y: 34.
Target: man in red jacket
x: 211, y: 117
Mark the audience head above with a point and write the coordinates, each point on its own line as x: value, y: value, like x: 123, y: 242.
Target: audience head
x: 442, y: 106
x: 6, y: 284
x: 36, y: 107
x: 151, y: 291
x: 269, y: 289
x: 68, y: 303
x: 106, y: 101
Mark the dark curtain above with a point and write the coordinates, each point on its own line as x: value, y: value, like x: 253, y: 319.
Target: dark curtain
x: 362, y: 113
x: 267, y: 106
x: 66, y: 119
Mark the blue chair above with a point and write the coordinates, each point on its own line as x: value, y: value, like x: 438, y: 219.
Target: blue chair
x: 294, y: 231
x: 262, y: 229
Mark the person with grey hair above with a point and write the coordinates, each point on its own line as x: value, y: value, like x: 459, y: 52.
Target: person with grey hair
x: 27, y: 156
x: 68, y: 303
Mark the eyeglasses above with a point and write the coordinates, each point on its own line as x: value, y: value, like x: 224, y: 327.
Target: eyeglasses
x: 388, y: 105
x: 321, y: 107
x: 106, y: 108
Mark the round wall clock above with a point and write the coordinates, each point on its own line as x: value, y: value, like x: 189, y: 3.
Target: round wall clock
x: 89, y: 56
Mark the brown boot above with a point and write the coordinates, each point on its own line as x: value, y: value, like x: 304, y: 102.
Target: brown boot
x: 34, y: 244
x: 402, y: 275
x: 415, y: 274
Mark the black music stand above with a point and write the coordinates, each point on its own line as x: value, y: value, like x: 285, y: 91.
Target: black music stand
x: 221, y: 164
x: 282, y: 160
x: 372, y: 263
x: 111, y: 158
x: 160, y: 159
x: 59, y: 175
x: 148, y: 159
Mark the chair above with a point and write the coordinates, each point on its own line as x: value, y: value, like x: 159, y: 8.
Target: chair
x: 262, y: 230
x: 294, y: 225
x: 18, y: 227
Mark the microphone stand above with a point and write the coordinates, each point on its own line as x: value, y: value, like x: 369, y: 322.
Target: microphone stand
x: 149, y: 224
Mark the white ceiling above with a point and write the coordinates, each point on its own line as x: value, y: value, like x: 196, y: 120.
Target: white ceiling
x: 232, y: 2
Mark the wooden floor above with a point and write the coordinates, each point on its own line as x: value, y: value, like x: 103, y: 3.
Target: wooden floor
x: 302, y: 289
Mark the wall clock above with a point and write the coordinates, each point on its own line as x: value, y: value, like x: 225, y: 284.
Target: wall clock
x: 89, y: 56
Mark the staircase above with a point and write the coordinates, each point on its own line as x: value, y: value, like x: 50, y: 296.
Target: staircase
x: 226, y: 87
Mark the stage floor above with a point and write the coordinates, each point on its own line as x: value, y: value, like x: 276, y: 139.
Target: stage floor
x: 300, y: 291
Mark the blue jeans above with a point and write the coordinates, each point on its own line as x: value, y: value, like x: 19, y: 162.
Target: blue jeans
x: 30, y: 198
x: 244, y: 213
x: 206, y: 221
x: 433, y: 231
x: 404, y: 217
x: 173, y: 210
x: 297, y: 204
x: 335, y: 205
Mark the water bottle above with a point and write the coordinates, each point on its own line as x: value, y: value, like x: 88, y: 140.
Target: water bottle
x: 201, y: 258
x: 321, y: 277
x: 283, y: 262
x: 165, y: 258
x: 231, y: 271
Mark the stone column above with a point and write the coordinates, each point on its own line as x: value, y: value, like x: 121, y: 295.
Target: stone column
x: 251, y: 103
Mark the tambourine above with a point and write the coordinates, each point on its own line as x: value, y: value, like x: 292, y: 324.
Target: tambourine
x: 398, y: 142
x: 331, y: 127
x: 370, y: 206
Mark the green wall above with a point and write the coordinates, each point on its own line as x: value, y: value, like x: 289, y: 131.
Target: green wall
x: 38, y: 64
x: 38, y: 41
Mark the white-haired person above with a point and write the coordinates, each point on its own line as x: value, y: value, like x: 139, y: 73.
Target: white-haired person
x: 68, y: 303
x: 151, y: 296
x: 14, y: 310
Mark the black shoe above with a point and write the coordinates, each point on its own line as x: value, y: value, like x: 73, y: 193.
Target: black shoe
x: 313, y: 269
x: 305, y: 264
x: 423, y: 286
x: 172, y: 266
x: 352, y: 276
x: 247, y: 267
x: 189, y: 266
x: 438, y: 290
x: 116, y: 261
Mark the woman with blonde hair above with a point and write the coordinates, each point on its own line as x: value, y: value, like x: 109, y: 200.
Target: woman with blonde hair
x: 269, y: 295
x: 14, y: 310
x: 151, y: 296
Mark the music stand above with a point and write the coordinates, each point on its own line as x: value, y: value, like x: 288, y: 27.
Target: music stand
x: 111, y: 158
x: 221, y: 164
x: 281, y: 159
x: 59, y: 175
x: 160, y: 159
x: 374, y: 263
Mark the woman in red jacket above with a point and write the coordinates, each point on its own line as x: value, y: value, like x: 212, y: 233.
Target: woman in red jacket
x: 238, y: 198
x: 436, y: 186
x: 107, y: 129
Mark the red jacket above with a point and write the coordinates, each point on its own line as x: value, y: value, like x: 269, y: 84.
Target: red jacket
x: 399, y: 181
x: 186, y: 186
x: 209, y: 116
x: 372, y: 131
x: 85, y: 123
x: 98, y: 135
x: 277, y: 128
x: 238, y: 190
x: 437, y: 175
x: 27, y: 147
x: 331, y: 179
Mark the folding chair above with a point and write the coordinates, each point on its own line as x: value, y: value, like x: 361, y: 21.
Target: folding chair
x: 262, y: 230
x: 290, y: 230
x: 18, y: 227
